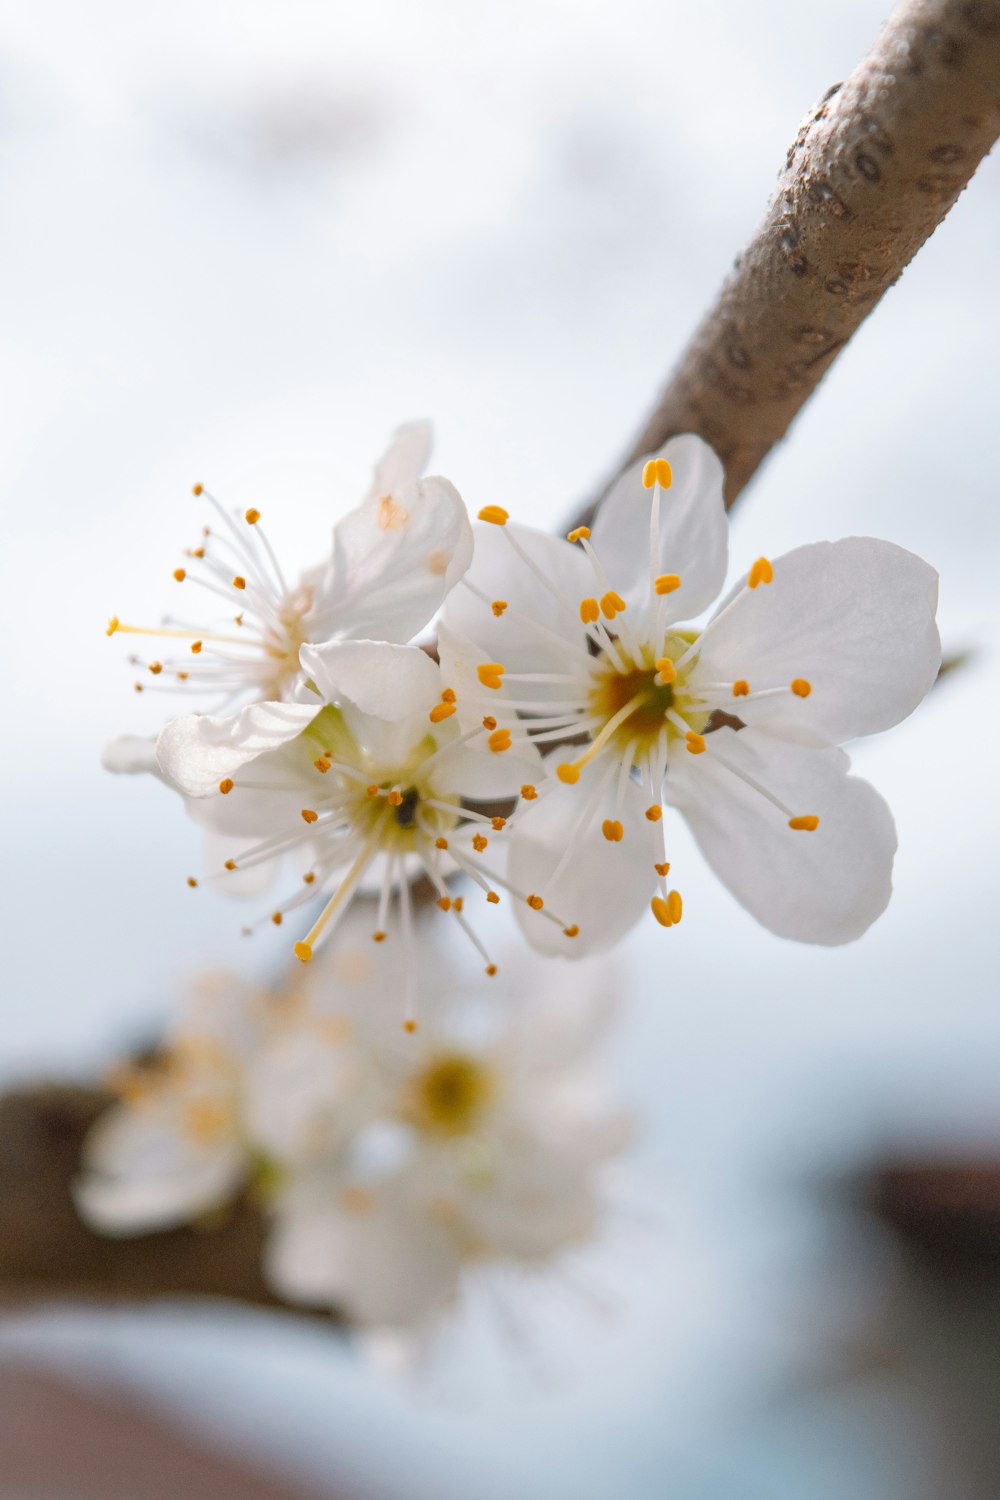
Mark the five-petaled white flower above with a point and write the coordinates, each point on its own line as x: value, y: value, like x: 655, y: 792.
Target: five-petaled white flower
x: 394, y: 559
x: 174, y: 1147
x: 371, y: 779
x: 487, y: 1145
x: 736, y: 725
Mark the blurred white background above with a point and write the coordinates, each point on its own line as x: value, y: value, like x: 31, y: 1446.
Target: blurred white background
x: 243, y: 242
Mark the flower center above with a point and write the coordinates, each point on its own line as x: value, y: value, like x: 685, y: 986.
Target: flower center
x: 452, y: 1093
x: 638, y: 701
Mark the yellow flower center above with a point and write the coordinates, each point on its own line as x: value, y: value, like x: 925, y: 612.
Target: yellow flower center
x: 451, y: 1094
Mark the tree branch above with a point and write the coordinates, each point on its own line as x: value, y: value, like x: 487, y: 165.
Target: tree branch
x: 872, y: 172
x: 874, y: 169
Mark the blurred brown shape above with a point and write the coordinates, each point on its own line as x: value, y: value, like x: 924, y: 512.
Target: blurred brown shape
x: 875, y: 167
x: 57, y: 1440
x: 45, y: 1249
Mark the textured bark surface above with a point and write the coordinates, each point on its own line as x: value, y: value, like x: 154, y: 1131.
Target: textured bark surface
x: 874, y: 169
x: 45, y: 1250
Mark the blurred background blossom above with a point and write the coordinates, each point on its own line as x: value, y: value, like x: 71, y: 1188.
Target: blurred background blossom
x: 242, y: 243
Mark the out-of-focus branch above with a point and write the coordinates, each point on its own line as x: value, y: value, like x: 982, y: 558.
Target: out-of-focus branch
x: 45, y: 1250
x: 872, y: 172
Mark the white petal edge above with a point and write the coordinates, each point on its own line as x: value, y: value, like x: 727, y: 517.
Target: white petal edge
x: 196, y: 751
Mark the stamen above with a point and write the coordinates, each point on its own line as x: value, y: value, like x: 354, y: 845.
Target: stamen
x: 649, y: 473
x: 741, y: 688
x: 479, y: 842
x: 535, y: 902
x: 251, y: 516
x: 239, y: 582
x: 498, y: 606
x: 654, y: 813
x: 612, y: 830
x: 612, y: 604
x: 494, y: 514
x: 490, y: 674
x: 662, y: 870
x: 581, y: 534
x: 664, y: 474
x: 807, y: 824
x: 499, y: 740
x: 666, y: 672
x: 395, y: 798
x: 667, y: 912
x: 800, y: 687
x: 589, y: 611
x: 695, y: 742
x: 448, y: 696
x: 441, y: 711
x: 667, y: 583
x: 322, y: 764
x: 566, y: 771
x: 440, y: 843
x: 180, y: 574
x: 226, y: 785
x: 309, y: 815
x: 528, y: 792
x: 761, y: 572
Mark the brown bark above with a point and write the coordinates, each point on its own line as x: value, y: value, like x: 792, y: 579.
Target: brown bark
x: 46, y: 1251
x: 875, y: 167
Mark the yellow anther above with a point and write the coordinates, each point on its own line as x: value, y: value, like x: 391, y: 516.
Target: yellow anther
x: 498, y: 824
x: 761, y: 572
x: 441, y: 711
x: 309, y: 877
x: 458, y: 902
x: 183, y: 676
x: 491, y: 969
x: 654, y: 813
x: 372, y: 791
x: 197, y: 552
x: 664, y: 474
x: 528, y: 792
x: 303, y: 952
x: 196, y: 648
x: 309, y: 815
x: 740, y: 687
x: 489, y: 722
x: 535, y: 902
x: 226, y: 785
x: 499, y: 740
x: 572, y: 931
x: 581, y: 534
x: 448, y: 696
x: 251, y: 516
x: 695, y: 742
x: 395, y: 799
x: 322, y: 764
x: 589, y: 611
x: 800, y: 687
x: 113, y: 624
x: 192, y: 882
x: 662, y: 870
x: 445, y: 903
x: 490, y: 674
x: 807, y: 824
x: 666, y: 672
x: 230, y: 864
x: 239, y: 582
x: 180, y: 574
x: 196, y: 489
x: 661, y: 911
x: 675, y: 906
x: 276, y: 918
x: 479, y: 842
x: 440, y: 843
x: 410, y: 1026
x: 156, y: 667
x: 498, y: 606
x: 612, y: 604
x: 494, y: 514
x: 649, y: 473
x: 137, y: 686
x: 568, y: 772
x: 667, y: 583
x: 378, y: 937
x: 493, y: 898
x: 612, y: 830
x: 238, y: 619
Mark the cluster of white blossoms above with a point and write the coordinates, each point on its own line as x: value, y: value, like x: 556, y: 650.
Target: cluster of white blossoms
x: 569, y: 705
x: 390, y: 1168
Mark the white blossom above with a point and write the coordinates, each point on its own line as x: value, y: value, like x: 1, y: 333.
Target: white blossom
x: 736, y: 725
x: 394, y: 558
x: 369, y: 782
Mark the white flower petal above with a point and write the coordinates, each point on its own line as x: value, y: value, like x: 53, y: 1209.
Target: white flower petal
x: 387, y: 1266
x: 386, y: 681
x: 512, y: 637
x: 477, y: 773
x: 196, y: 751
x: 406, y: 458
x: 130, y: 755
x: 141, y: 1174
x: 694, y: 531
x: 604, y: 887
x: 854, y: 618
x: 826, y: 886
x: 395, y: 559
